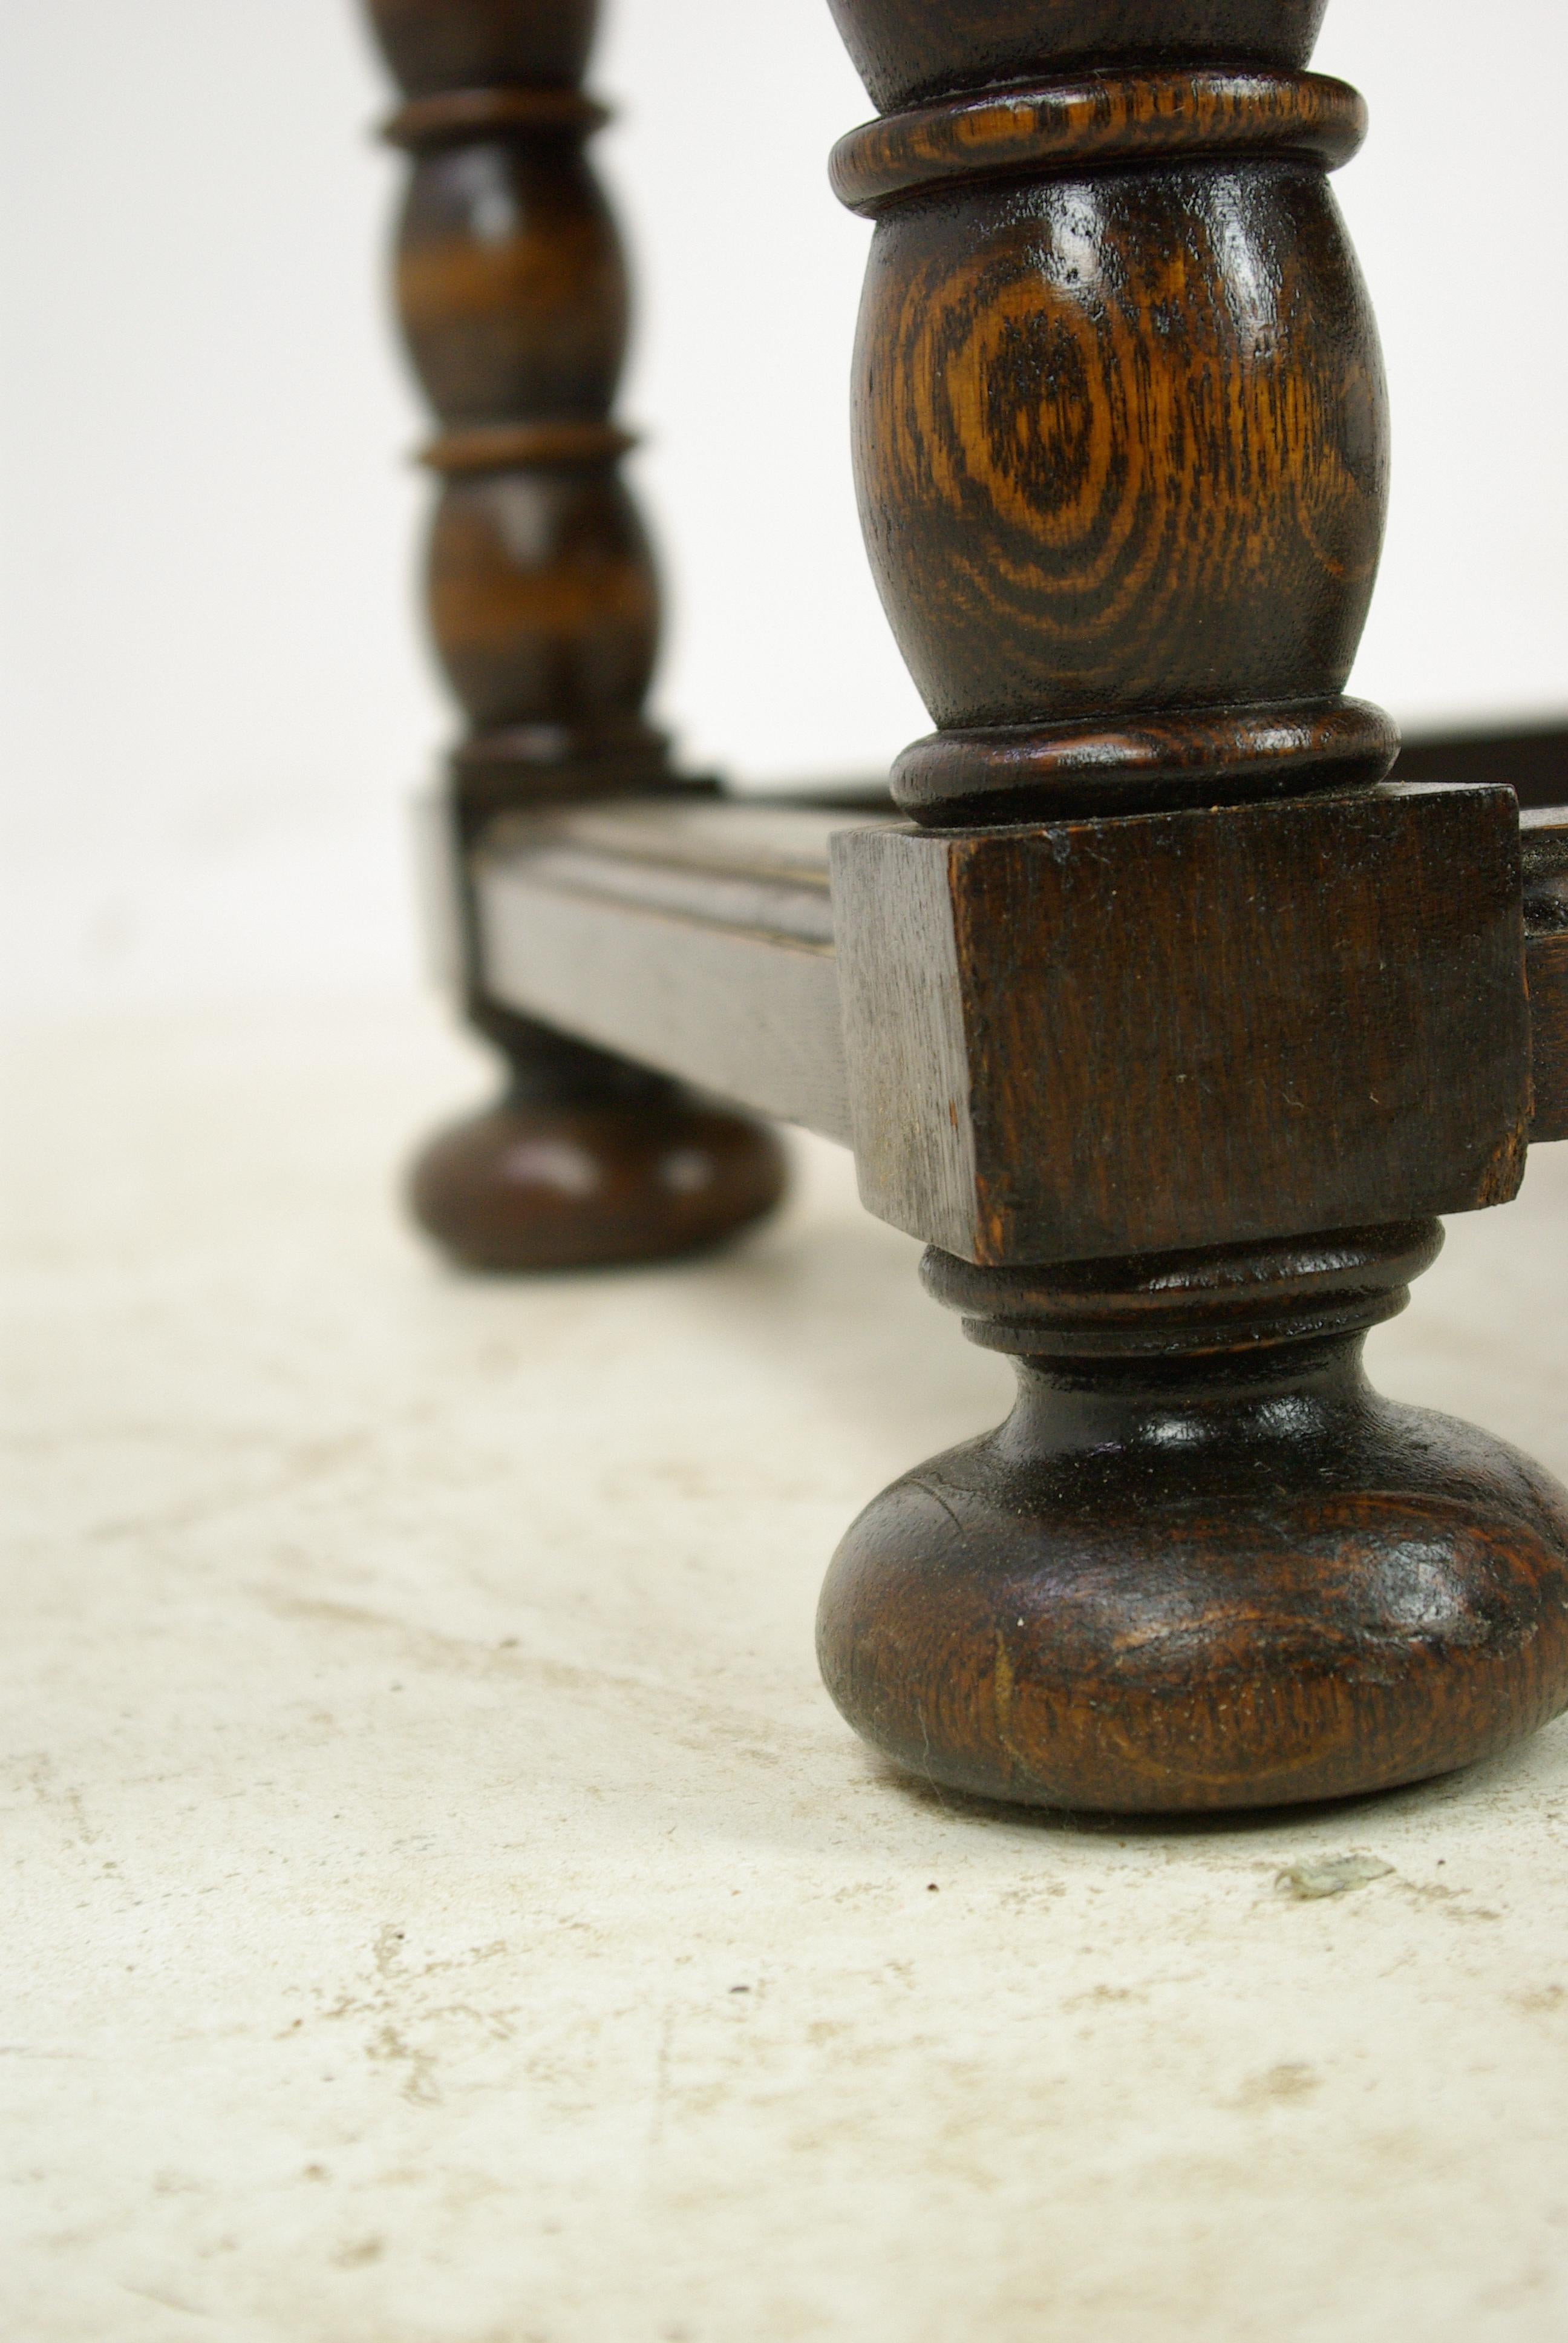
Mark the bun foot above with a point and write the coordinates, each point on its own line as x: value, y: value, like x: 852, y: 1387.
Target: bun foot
x: 1203, y: 1566
x: 588, y: 1162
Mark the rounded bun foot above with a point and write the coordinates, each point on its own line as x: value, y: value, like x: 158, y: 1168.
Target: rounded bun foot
x: 1202, y: 1571
x: 555, y: 1177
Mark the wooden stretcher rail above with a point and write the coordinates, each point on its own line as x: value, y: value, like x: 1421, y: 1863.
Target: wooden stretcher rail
x: 697, y: 937
x: 1543, y: 837
x: 694, y: 937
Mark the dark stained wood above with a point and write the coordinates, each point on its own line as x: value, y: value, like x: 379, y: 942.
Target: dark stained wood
x: 700, y: 936
x: 1543, y: 835
x: 561, y: 643
x: 512, y: 292
x: 694, y: 938
x: 1121, y: 444
x: 587, y: 1162
x: 1532, y: 758
x: 1143, y: 762
x: 511, y: 281
x: 1184, y: 1029
x: 910, y: 50
x: 1547, y: 967
x: 543, y: 605
x: 1099, y: 120
x: 1203, y: 1564
x: 1122, y: 456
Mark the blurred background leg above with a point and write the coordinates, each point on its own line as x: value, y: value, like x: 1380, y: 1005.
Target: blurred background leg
x: 544, y: 603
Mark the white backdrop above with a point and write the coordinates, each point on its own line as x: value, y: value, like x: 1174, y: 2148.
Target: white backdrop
x: 216, y: 700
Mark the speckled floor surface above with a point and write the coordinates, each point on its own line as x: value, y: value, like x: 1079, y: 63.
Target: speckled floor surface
x: 441, y: 1906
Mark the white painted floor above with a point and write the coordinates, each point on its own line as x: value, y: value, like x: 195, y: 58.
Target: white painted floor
x: 443, y: 1907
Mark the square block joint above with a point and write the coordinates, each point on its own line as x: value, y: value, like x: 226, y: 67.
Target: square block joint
x: 1158, y: 1031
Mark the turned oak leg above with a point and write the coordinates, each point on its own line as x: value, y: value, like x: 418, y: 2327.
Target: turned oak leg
x: 543, y: 605
x: 1171, y: 1024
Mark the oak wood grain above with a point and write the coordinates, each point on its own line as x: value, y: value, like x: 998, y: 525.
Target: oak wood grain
x: 1203, y: 1564
x: 1177, y: 1020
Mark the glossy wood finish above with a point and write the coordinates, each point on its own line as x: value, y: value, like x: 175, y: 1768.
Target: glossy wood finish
x: 544, y: 605
x: 1203, y: 1563
x: 1121, y: 438
x: 1121, y: 453
x: 551, y: 655
x: 910, y: 50
x: 588, y: 1162
x: 1143, y: 762
x: 511, y: 281
x: 1100, y: 120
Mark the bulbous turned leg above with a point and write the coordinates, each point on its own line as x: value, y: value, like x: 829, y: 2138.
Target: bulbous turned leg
x: 586, y: 1161
x: 1203, y: 1564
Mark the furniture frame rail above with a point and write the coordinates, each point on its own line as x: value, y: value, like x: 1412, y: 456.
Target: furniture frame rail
x: 703, y: 940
